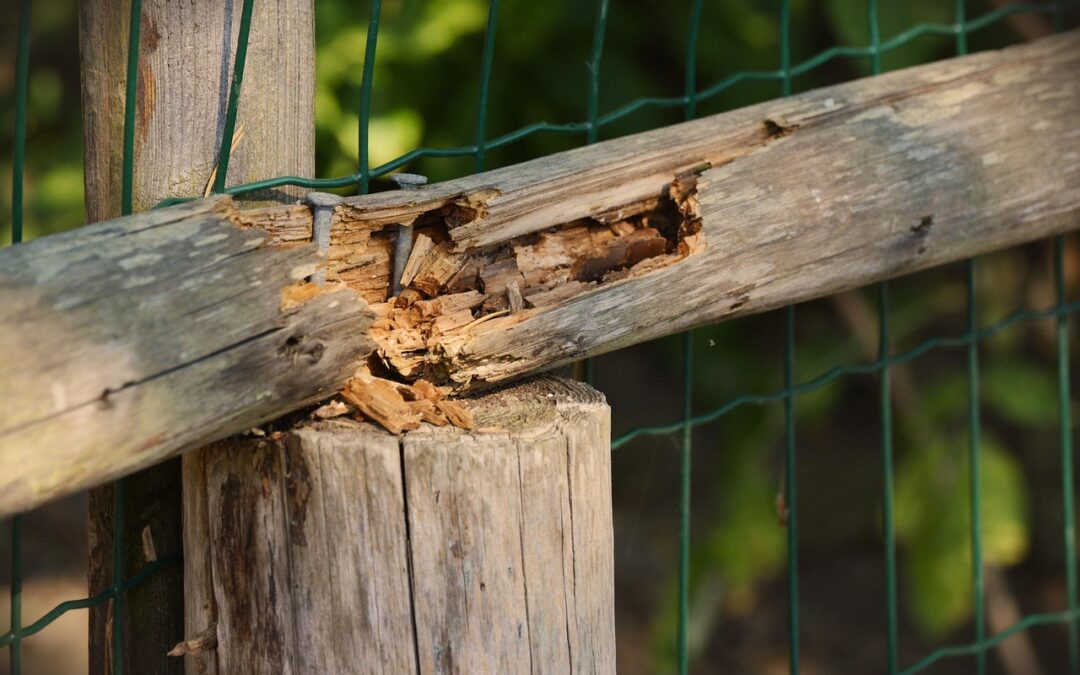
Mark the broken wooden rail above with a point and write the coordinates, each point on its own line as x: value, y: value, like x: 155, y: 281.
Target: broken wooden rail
x: 131, y: 340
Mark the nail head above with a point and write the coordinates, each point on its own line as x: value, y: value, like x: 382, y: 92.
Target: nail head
x: 323, y: 199
x: 406, y: 181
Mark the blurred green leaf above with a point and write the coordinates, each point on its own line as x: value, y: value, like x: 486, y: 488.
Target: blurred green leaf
x: 933, y: 522
x: 943, y: 398
x: 850, y: 21
x: 744, y: 546
x: 1021, y: 391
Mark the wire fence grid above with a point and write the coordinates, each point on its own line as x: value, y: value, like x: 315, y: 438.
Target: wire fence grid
x: 959, y: 30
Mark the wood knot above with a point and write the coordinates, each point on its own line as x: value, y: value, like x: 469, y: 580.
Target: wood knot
x: 923, y: 228
x: 298, y: 347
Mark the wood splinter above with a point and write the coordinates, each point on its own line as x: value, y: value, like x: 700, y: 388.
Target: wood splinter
x: 402, y: 407
x: 202, y: 642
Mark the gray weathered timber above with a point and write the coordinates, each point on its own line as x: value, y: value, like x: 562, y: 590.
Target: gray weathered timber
x: 870, y: 180
x: 337, y: 547
x: 186, y: 54
x: 798, y: 198
x: 128, y: 341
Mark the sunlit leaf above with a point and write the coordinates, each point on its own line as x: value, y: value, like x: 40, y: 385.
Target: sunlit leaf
x: 933, y: 507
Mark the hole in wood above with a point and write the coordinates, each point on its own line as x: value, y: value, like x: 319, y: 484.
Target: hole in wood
x: 448, y: 293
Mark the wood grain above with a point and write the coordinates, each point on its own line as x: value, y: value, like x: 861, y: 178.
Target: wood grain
x: 795, y: 199
x: 131, y: 340
x: 336, y: 547
x: 186, y: 54
x: 791, y: 199
x: 780, y: 202
x: 513, y: 565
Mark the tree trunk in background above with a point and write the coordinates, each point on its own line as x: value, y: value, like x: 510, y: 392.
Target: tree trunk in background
x: 335, y: 547
x: 186, y: 53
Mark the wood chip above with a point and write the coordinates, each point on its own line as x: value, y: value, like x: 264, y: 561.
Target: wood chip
x: 458, y: 414
x: 429, y: 412
x: 380, y: 401
x: 513, y: 295
x: 441, y: 263
x: 421, y: 248
x: 427, y: 390
x: 203, y: 641
x: 149, y: 550
x: 330, y: 410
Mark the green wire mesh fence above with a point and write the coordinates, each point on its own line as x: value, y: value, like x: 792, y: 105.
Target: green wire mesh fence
x: 588, y: 130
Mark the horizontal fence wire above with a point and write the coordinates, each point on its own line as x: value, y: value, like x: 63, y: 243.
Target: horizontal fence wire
x: 960, y: 29
x: 1060, y: 310
x: 586, y: 127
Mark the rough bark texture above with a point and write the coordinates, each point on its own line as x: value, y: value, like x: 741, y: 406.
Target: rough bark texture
x: 131, y: 340
x: 336, y: 547
x: 186, y: 55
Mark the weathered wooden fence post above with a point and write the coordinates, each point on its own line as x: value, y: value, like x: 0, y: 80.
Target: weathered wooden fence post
x: 336, y: 547
x: 333, y: 546
x: 186, y: 55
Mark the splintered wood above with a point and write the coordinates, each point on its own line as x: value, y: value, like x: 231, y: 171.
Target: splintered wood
x: 451, y: 291
x: 536, y: 265
x: 400, y: 407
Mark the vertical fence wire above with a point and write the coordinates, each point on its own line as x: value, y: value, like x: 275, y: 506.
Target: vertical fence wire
x: 690, y: 77
x: 22, y: 80
x: 599, y: 28
x: 485, y: 84
x: 791, y: 511
x: 1068, y: 477
x: 15, y: 649
x: 682, y: 645
x: 117, y: 589
x: 686, y: 441
x: 592, y: 125
x: 885, y: 394
x: 18, y: 159
x: 130, y: 92
x: 978, y: 587
x: 127, y: 187
x: 225, y: 150
x: 366, y: 79
x: 974, y: 470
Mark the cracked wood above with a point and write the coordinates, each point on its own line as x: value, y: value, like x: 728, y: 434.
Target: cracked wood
x: 539, y: 264
x: 128, y: 341
x: 334, y: 547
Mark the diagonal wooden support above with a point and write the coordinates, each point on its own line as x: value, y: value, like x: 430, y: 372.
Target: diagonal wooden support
x: 536, y: 265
